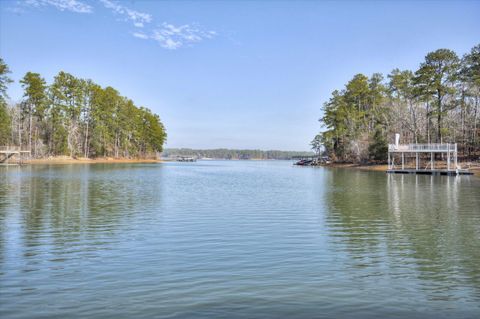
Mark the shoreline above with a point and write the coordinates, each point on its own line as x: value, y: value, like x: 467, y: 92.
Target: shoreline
x: 381, y: 167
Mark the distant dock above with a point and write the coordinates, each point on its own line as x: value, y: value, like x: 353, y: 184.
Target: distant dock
x: 186, y: 159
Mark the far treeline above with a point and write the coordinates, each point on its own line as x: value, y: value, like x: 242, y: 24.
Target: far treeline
x: 78, y: 118
x: 223, y: 153
x: 437, y: 103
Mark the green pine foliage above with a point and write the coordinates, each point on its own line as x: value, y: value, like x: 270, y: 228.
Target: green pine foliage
x: 378, y: 148
x: 5, y: 121
x: 78, y: 118
x: 4, y: 124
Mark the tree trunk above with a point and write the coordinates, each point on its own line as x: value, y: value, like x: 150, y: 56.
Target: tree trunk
x: 428, y: 123
x: 30, y: 131
x: 475, y: 127
x: 35, y: 144
x: 19, y: 120
x: 439, y: 120
x: 414, y: 120
x: 462, y: 115
x: 116, y: 144
x: 86, y: 141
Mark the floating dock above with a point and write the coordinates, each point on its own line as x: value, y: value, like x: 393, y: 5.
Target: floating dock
x: 430, y: 172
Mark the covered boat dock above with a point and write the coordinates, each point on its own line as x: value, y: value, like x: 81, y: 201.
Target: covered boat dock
x: 421, y: 159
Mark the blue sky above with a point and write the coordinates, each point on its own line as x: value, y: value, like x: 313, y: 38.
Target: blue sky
x: 234, y: 74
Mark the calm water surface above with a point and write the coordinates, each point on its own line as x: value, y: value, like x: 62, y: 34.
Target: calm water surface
x: 236, y: 240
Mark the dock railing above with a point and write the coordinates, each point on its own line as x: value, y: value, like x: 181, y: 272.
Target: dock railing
x: 13, y: 153
x: 431, y: 147
x: 13, y: 149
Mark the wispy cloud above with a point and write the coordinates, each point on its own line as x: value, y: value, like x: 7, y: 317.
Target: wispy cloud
x: 137, y: 18
x: 168, y: 35
x: 140, y: 35
x: 173, y: 37
x: 62, y: 5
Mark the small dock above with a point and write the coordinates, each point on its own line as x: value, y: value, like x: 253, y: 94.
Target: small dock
x: 8, y: 153
x: 425, y: 159
x: 186, y: 159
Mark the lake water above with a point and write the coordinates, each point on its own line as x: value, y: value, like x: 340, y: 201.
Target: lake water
x: 236, y: 239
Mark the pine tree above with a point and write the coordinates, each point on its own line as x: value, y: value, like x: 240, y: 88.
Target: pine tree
x: 4, y: 114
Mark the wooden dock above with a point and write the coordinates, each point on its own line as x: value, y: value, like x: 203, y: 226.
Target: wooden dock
x: 9, y: 152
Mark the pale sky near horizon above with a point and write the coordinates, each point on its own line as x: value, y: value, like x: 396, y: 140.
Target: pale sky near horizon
x: 230, y: 74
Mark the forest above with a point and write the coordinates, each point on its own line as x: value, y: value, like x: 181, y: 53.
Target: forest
x: 437, y: 103
x: 223, y: 153
x: 76, y: 117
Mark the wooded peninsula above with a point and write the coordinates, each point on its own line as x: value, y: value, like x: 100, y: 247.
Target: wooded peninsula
x: 78, y: 118
x: 437, y: 103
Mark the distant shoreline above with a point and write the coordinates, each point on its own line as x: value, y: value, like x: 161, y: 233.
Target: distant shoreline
x: 233, y: 154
